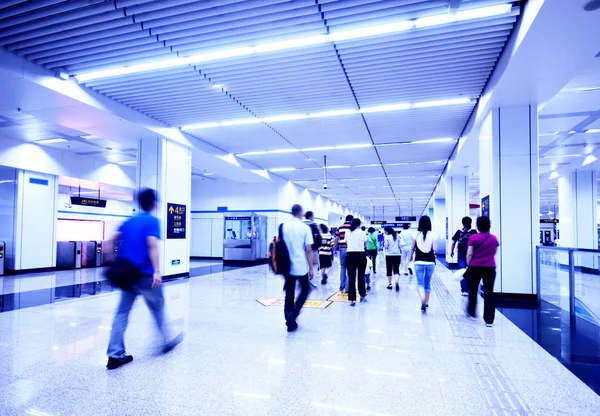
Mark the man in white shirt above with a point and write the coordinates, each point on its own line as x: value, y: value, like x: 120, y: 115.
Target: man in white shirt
x: 298, y: 240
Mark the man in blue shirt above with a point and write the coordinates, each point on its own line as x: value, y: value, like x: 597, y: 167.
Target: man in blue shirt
x: 138, y: 243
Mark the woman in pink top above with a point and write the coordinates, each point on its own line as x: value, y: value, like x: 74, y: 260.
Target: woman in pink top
x: 482, y: 265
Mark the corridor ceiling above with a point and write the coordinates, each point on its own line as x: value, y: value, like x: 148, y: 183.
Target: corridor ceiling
x: 281, y: 84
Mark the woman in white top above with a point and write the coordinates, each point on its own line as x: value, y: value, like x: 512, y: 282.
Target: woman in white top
x: 407, y: 236
x: 392, y: 244
x: 356, y: 261
x: 423, y: 248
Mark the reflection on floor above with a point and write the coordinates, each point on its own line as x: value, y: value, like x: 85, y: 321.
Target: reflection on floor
x: 382, y: 357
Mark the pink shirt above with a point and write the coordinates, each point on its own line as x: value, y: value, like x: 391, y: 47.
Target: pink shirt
x: 484, y: 246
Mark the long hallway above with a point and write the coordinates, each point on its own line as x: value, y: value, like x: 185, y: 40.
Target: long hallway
x: 381, y: 358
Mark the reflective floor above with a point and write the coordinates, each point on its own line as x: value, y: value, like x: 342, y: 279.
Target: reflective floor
x: 382, y: 357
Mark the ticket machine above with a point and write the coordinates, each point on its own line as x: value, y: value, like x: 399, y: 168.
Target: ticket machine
x: 245, y: 238
x: 68, y: 254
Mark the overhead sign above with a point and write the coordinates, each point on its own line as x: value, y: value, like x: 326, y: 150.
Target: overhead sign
x: 176, y: 221
x: 549, y: 221
x: 378, y: 222
x: 485, y: 206
x: 88, y: 202
x: 238, y: 218
x: 396, y: 224
x: 405, y: 219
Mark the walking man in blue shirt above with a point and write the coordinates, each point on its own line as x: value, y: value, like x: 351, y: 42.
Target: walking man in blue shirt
x: 138, y: 243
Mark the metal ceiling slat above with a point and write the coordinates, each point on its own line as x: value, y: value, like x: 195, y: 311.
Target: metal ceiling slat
x: 374, y: 10
x: 393, y: 76
x: 98, y: 31
x: 149, y: 56
x: 110, y: 40
x: 457, y: 81
x: 181, y: 88
x: 12, y: 8
x: 249, y: 72
x: 172, y: 80
x: 134, y: 78
x: 130, y: 54
x: 172, y: 97
x: 86, y: 25
x: 299, y: 74
x: 49, y: 13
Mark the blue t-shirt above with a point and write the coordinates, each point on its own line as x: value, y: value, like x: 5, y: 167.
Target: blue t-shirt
x: 133, y: 241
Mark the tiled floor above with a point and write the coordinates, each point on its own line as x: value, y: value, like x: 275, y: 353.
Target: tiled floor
x: 380, y: 358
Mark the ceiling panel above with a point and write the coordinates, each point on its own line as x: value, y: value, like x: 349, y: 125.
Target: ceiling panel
x: 560, y: 124
x: 416, y: 152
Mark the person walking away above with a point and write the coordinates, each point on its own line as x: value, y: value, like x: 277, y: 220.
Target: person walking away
x: 317, y: 241
x: 138, y: 244
x: 356, y: 261
x: 342, y: 246
x: 482, y: 265
x: 407, y: 237
x: 372, y: 248
x: 392, y: 257
x: 325, y: 253
x: 270, y: 253
x: 423, y: 249
x: 380, y: 239
x: 298, y: 239
x: 368, y: 271
x: 460, y: 243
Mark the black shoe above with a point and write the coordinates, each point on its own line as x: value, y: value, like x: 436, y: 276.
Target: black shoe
x: 369, y: 288
x: 423, y: 308
x: 390, y: 287
x: 405, y: 273
x: 170, y: 346
x: 323, y: 281
x: 118, y: 362
x: 427, y: 305
x: 397, y: 287
x: 292, y: 327
x: 410, y: 271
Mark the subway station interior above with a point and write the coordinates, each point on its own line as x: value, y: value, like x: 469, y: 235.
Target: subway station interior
x: 233, y: 111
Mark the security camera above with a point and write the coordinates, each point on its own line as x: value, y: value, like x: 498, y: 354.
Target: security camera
x: 325, y: 186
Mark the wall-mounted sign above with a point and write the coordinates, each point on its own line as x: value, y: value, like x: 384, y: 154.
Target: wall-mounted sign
x: 175, y: 262
x: 396, y: 224
x: 549, y: 221
x: 406, y: 219
x: 238, y: 218
x: 485, y: 206
x: 222, y: 209
x: 176, y: 221
x: 88, y: 202
x: 377, y: 222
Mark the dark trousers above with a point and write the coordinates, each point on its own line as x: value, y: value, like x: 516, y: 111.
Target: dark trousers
x: 373, y: 255
x: 356, y: 263
x: 475, y: 275
x: 292, y: 309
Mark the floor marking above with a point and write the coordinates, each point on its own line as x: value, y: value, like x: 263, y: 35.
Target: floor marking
x: 315, y: 304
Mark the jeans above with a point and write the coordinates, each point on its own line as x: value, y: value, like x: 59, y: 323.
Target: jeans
x: 343, y: 271
x: 488, y: 274
x: 461, y: 259
x: 156, y: 304
x: 373, y: 255
x: 424, y: 274
x: 291, y: 309
x: 357, y: 263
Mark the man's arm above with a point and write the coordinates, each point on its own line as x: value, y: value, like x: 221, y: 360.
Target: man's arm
x: 153, y: 254
x: 452, y: 249
x: 309, y: 259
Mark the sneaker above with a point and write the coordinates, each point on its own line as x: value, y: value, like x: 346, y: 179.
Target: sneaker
x: 390, y: 287
x: 323, y: 281
x: 489, y: 325
x: 405, y: 273
x: 114, y: 363
x: 397, y: 287
x: 353, y: 303
x: 170, y: 346
x: 292, y: 327
x: 423, y: 308
x: 410, y: 271
x: 465, y: 293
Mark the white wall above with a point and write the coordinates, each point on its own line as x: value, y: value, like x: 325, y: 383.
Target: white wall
x: 22, y: 155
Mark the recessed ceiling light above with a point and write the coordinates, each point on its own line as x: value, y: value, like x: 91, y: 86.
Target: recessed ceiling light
x: 90, y: 137
x: 129, y: 162
x: 378, y: 30
x: 593, y: 131
x: 50, y: 141
x: 208, y: 174
x: 589, y: 159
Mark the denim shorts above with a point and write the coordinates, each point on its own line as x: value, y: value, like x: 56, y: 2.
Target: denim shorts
x: 424, y: 274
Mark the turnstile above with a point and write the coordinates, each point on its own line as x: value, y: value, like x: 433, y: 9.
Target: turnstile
x: 91, y: 254
x: 2, y: 256
x: 110, y: 250
x: 68, y: 254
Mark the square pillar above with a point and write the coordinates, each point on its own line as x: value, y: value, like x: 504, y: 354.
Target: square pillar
x: 166, y: 166
x: 440, y: 223
x: 577, y: 214
x: 509, y: 181
x: 457, y: 207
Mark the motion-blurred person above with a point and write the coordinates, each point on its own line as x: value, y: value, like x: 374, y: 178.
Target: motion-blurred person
x: 392, y: 257
x: 298, y: 240
x: 325, y: 253
x: 423, y: 248
x: 460, y: 242
x: 138, y: 246
x: 407, y: 237
x: 368, y: 272
x: 380, y: 240
x: 372, y: 247
x: 317, y: 240
x: 356, y: 261
x: 342, y: 247
x: 482, y: 265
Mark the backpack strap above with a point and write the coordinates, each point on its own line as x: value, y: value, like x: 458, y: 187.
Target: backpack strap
x: 281, y: 231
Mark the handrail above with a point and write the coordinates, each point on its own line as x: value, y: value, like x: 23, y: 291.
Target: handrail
x: 574, y: 249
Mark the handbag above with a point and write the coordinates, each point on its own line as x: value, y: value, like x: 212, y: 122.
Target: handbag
x: 123, y: 273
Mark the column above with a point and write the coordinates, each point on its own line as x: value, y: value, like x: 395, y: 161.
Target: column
x: 166, y: 166
x: 508, y: 163
x: 440, y: 222
x: 577, y: 215
x: 457, y: 207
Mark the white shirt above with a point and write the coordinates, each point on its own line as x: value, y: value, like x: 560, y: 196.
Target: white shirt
x: 356, y: 240
x: 426, y: 244
x: 408, y: 239
x: 393, y: 246
x: 297, y: 236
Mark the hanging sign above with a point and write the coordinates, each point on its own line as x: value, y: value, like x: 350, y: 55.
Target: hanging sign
x: 405, y: 219
x: 88, y: 202
x: 176, y: 221
x: 549, y: 221
x: 378, y: 222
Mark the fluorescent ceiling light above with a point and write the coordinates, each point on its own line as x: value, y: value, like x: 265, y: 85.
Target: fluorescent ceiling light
x: 334, y: 113
x: 218, y: 86
x: 90, y: 137
x: 360, y: 33
x: 50, y: 141
x: 593, y: 131
x: 281, y: 169
x: 555, y: 156
x: 589, y: 159
x: 208, y: 174
x: 129, y: 162
x: 572, y: 132
x: 552, y: 133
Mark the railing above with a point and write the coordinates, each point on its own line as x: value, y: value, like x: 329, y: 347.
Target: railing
x: 569, y: 278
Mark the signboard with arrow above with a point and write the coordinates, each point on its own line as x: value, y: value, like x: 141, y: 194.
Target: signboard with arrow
x: 176, y: 221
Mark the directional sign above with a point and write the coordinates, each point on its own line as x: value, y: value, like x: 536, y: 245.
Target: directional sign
x: 176, y: 221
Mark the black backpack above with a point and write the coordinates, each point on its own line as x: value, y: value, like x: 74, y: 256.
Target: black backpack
x: 281, y: 255
x: 317, y: 239
x: 463, y: 240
